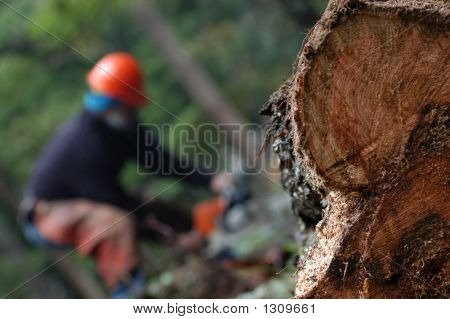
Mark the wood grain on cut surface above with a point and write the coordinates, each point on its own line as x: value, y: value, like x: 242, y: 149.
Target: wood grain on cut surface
x: 367, y: 108
x: 364, y: 93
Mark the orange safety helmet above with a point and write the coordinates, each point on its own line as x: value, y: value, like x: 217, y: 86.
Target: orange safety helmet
x: 118, y: 75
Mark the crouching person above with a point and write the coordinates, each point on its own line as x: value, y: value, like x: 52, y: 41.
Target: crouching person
x: 74, y: 197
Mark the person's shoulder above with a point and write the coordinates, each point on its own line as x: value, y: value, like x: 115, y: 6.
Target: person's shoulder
x: 83, y: 122
x: 74, y: 127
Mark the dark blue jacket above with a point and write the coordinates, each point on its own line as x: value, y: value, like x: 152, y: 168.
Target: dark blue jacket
x: 85, y: 157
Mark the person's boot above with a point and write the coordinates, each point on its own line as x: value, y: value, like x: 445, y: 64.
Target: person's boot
x: 131, y: 287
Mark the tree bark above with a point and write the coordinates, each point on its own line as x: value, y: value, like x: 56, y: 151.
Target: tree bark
x: 197, y: 82
x: 362, y: 127
x: 191, y: 76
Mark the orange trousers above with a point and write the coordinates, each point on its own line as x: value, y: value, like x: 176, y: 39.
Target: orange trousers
x: 96, y: 229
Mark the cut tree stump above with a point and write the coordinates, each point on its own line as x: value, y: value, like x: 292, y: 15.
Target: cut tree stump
x: 362, y: 127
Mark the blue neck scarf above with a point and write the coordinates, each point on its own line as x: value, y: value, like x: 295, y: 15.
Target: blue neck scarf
x: 97, y: 102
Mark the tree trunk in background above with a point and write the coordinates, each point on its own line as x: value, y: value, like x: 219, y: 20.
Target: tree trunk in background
x: 363, y: 123
x: 199, y: 85
x: 191, y: 76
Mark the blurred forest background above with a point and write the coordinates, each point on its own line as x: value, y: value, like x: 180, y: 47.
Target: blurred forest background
x: 246, y: 47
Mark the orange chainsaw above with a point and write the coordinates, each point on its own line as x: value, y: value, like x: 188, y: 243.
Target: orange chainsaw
x: 208, y: 214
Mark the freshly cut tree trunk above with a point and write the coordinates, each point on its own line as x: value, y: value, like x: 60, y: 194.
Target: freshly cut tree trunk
x: 362, y: 127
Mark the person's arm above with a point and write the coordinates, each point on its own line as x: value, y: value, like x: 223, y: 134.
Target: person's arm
x: 101, y: 190
x: 153, y: 158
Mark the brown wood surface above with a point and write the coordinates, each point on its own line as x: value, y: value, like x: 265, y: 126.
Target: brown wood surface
x: 368, y: 126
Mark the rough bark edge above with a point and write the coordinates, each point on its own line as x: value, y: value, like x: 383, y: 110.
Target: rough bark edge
x: 433, y: 14
x: 305, y: 185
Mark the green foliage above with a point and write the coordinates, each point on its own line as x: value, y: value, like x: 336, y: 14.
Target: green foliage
x: 244, y: 46
x: 31, y: 111
x: 90, y: 27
